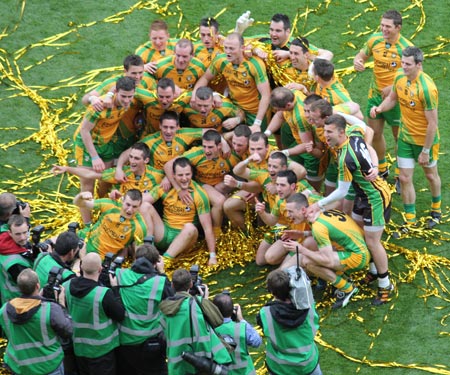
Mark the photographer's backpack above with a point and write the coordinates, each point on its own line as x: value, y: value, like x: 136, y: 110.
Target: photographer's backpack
x: 301, y: 292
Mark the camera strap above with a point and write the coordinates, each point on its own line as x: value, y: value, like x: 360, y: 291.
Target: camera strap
x: 39, y: 260
x: 213, y: 318
x: 139, y: 281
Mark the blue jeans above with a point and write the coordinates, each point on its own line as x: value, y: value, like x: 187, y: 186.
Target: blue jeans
x: 59, y: 370
x: 317, y: 370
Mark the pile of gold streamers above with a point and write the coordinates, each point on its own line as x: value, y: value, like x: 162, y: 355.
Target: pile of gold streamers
x: 235, y: 248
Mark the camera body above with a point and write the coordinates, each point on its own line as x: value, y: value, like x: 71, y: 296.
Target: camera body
x: 36, y: 246
x: 54, y: 282
x: 73, y: 227
x: 149, y: 240
x: 109, y: 266
x: 20, y: 205
x: 197, y: 281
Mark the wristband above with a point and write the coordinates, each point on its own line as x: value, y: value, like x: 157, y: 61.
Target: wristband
x: 268, y: 133
x: 178, y: 190
x: 239, y: 184
x: 257, y: 122
x: 246, y: 161
x: 286, y: 152
x: 92, y: 97
x: 212, y: 255
x: 307, y: 233
x: 95, y: 158
x: 110, y: 94
x: 321, y: 206
x: 426, y: 151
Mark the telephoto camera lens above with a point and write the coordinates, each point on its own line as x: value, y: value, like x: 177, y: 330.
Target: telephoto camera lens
x: 204, y: 365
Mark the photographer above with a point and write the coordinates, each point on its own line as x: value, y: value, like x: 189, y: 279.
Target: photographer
x: 33, y: 326
x: 290, y: 346
x: 65, y: 251
x: 14, y: 256
x: 95, y: 311
x: 142, y: 288
x: 186, y: 329
x: 241, y: 331
x: 10, y: 205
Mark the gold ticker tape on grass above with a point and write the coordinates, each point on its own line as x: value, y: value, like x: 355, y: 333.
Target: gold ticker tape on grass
x: 55, y: 210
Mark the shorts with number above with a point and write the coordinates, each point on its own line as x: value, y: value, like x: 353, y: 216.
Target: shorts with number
x: 374, y: 214
x: 392, y: 117
x: 169, y: 235
x: 106, y: 152
x: 411, y: 151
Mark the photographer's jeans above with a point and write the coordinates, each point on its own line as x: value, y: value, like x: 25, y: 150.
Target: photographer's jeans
x: 59, y: 370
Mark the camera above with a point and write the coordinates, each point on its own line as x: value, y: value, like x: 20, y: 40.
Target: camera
x: 204, y: 365
x: 197, y: 281
x: 109, y: 266
x: 36, y: 246
x: 73, y: 227
x: 54, y: 282
x: 36, y: 233
x: 19, y: 205
x: 149, y: 240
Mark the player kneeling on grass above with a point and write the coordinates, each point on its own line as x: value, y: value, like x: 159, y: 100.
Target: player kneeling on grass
x: 336, y: 248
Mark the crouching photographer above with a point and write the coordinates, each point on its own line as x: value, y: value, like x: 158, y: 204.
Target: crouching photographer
x: 242, y: 333
x: 290, y: 323
x: 191, y: 339
x: 142, y: 287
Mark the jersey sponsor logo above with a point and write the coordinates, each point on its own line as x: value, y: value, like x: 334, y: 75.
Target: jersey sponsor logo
x: 244, y: 84
x: 386, y: 65
x: 406, y: 103
x: 111, y: 233
x: 178, y: 210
